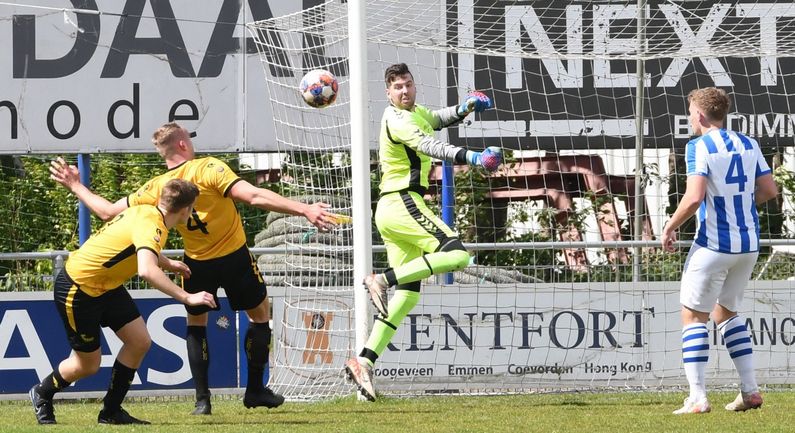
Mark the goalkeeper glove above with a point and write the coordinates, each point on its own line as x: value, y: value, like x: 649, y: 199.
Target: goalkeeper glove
x: 475, y: 101
x: 490, y: 159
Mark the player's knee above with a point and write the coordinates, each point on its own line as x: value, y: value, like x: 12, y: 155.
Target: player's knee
x: 138, y: 344
x: 147, y: 343
x: 260, y: 313
x: 90, y: 368
x: 86, y: 364
x: 459, y: 259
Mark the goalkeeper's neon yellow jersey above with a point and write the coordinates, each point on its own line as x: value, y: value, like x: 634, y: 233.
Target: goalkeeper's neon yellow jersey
x: 109, y: 257
x: 215, y: 229
x: 403, y: 166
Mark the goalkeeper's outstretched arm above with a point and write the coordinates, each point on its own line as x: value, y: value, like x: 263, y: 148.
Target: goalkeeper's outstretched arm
x: 458, y: 155
x: 439, y: 149
x: 474, y: 101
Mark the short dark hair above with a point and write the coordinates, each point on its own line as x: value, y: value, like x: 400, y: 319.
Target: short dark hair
x: 178, y: 194
x: 394, y: 71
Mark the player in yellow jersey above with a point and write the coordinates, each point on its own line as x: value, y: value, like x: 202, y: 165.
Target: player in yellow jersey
x: 89, y: 294
x: 215, y: 250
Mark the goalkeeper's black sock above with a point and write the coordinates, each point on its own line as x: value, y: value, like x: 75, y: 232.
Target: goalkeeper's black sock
x: 258, y: 340
x: 199, y: 360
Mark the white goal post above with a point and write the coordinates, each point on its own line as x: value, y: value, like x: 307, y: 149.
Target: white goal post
x: 567, y: 301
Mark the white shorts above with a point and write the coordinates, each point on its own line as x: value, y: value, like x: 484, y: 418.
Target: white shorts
x: 710, y: 277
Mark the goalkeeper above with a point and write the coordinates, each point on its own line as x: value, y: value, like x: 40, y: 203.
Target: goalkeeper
x: 418, y: 243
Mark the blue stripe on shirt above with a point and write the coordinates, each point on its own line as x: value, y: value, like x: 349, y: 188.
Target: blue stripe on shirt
x: 724, y: 237
x: 746, y: 142
x: 690, y: 157
x: 739, y: 215
x: 701, y: 236
x: 711, y: 148
x: 727, y: 140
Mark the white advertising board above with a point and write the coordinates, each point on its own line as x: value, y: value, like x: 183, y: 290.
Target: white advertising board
x: 546, y: 336
x: 81, y: 82
x: 103, y: 82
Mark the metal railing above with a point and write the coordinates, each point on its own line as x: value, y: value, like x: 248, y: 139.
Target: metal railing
x: 58, y: 258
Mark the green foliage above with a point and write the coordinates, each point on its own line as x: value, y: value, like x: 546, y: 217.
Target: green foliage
x: 785, y: 179
x: 35, y: 215
x: 117, y: 176
x: 480, y: 219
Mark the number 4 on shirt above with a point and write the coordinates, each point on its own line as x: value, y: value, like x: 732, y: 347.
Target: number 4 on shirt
x: 194, y: 223
x: 736, y: 173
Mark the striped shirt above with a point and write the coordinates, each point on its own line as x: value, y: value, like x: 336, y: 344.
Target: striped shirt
x: 731, y: 162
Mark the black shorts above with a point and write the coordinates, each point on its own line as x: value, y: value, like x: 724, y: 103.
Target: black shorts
x: 84, y: 315
x: 236, y: 272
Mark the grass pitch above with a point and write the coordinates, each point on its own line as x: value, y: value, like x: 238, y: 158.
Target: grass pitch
x: 547, y: 413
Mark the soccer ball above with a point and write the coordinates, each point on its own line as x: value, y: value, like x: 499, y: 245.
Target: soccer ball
x: 319, y: 88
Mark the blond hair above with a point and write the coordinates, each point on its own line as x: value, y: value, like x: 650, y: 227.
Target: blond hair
x: 178, y: 194
x: 713, y: 102
x: 166, y: 136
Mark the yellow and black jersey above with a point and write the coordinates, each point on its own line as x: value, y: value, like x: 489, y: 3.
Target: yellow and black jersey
x: 108, y: 258
x: 215, y: 229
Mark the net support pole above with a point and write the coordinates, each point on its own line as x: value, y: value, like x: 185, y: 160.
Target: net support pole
x: 360, y: 161
x: 639, y: 92
x: 83, y: 214
x: 448, y: 204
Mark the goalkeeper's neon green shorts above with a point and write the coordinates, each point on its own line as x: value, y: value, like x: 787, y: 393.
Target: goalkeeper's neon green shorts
x: 409, y: 229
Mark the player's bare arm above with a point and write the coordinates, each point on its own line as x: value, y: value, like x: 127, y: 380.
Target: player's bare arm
x: 175, y: 266
x: 149, y: 270
x: 68, y: 176
x: 694, y: 195
x: 316, y: 213
x: 766, y: 189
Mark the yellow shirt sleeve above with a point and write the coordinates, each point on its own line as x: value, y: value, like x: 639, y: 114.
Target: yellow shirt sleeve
x: 218, y: 175
x: 148, y: 193
x: 149, y: 236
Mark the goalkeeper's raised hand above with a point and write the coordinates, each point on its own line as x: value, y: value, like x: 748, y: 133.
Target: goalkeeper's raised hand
x: 490, y: 158
x: 474, y: 101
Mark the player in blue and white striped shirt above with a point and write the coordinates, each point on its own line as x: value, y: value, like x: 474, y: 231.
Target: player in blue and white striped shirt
x: 727, y: 176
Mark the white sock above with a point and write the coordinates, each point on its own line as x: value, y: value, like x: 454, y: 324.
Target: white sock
x: 695, y: 354
x: 738, y: 343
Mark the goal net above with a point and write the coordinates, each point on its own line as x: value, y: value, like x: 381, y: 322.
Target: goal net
x: 568, y: 287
